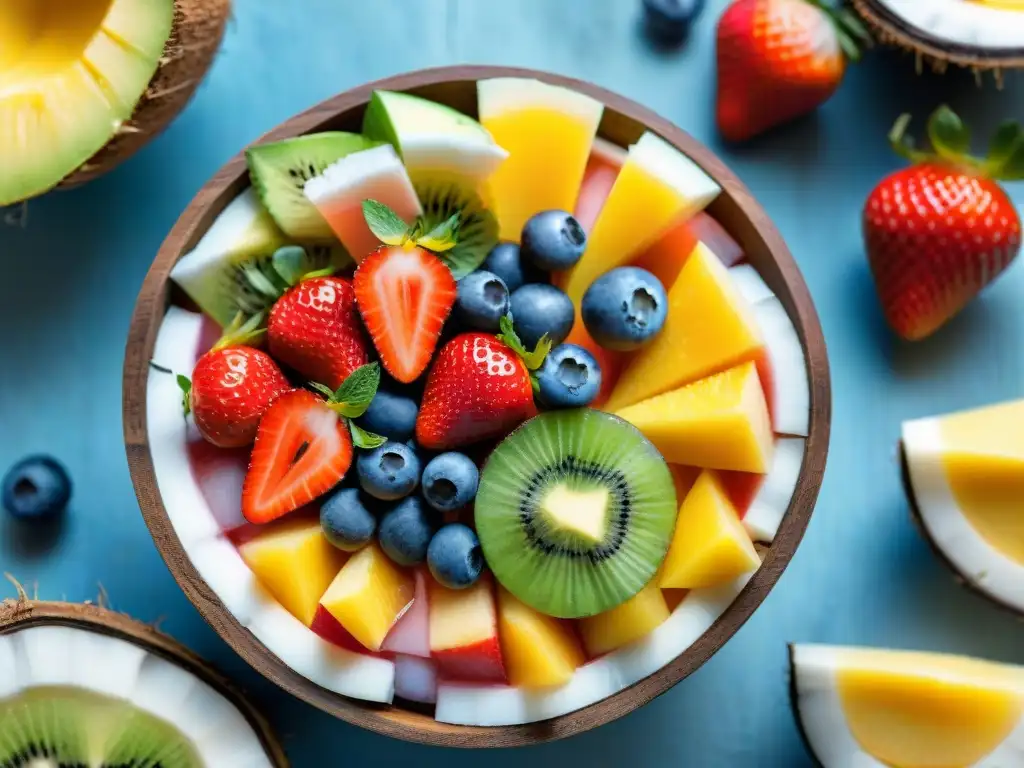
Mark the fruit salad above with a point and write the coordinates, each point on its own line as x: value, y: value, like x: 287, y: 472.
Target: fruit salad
x: 460, y: 438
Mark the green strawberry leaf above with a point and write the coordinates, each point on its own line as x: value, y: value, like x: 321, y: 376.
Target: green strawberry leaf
x: 851, y: 22
x: 364, y: 439
x: 185, y: 385
x: 1013, y: 167
x: 950, y: 138
x: 291, y: 263
x: 848, y: 43
x: 385, y: 224
x: 353, y: 397
x: 902, y: 144
x: 533, y: 360
x: 443, y: 237
x: 1005, y: 144
x: 242, y: 331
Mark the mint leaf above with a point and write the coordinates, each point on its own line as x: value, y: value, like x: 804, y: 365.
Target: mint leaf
x: 384, y: 223
x: 949, y: 136
x: 291, y: 263
x: 476, y: 237
x: 353, y: 397
x: 185, y: 385
x: 363, y: 439
x: 321, y: 388
x: 443, y: 237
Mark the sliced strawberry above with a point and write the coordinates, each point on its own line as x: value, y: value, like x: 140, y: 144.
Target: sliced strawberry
x: 404, y: 294
x: 302, y: 450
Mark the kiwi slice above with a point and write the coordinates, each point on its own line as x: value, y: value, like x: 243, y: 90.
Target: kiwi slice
x: 476, y: 232
x: 280, y: 170
x: 575, y: 512
x: 216, y: 274
x: 63, y: 726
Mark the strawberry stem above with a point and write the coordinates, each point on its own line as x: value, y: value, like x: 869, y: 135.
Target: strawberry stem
x: 533, y: 360
x: 242, y: 332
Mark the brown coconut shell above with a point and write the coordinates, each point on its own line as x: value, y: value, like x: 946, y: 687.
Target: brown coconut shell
x: 939, y: 54
x: 25, y: 612
x: 195, y: 38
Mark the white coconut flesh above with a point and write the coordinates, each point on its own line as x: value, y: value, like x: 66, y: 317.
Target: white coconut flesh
x: 370, y: 678
x: 984, y: 25
x: 70, y: 695
x: 71, y: 73
x: 876, y: 708
x: 966, y: 476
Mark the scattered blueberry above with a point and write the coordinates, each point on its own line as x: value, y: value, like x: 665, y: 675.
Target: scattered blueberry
x: 668, y: 21
x: 406, y: 529
x: 450, y: 481
x: 624, y: 308
x: 538, y: 309
x: 505, y: 262
x: 389, y: 471
x: 347, y: 519
x: 552, y: 240
x: 569, y: 378
x: 36, y: 487
x: 454, y: 556
x: 482, y: 300
x: 391, y: 415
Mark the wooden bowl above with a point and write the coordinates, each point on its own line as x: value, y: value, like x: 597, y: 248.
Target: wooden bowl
x: 623, y: 123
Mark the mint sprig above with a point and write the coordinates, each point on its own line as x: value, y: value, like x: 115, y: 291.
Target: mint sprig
x: 351, y: 400
x: 386, y: 225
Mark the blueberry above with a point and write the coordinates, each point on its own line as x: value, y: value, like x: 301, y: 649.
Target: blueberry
x: 406, y: 529
x: 669, y: 21
x: 538, y: 309
x: 552, y: 240
x: 450, y: 481
x: 624, y: 308
x: 36, y: 487
x: 391, y: 415
x: 482, y: 300
x: 389, y: 471
x: 505, y: 262
x: 454, y: 556
x: 347, y: 519
x: 569, y: 378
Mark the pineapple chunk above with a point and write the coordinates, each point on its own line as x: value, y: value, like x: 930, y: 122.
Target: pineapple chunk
x: 710, y: 327
x: 710, y: 544
x: 295, y: 563
x: 369, y: 595
x: 642, y: 613
x: 540, y: 651
x: 720, y: 422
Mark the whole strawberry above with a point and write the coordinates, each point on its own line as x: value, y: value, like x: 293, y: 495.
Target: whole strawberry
x: 778, y: 60
x: 230, y: 390
x: 478, y: 387
x: 937, y: 233
x: 315, y: 329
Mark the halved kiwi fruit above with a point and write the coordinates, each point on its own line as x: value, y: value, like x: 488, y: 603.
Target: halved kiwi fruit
x: 477, y: 231
x: 575, y: 512
x: 84, y: 687
x: 280, y: 170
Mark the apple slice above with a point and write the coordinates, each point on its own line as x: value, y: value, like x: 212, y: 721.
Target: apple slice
x: 464, y: 633
x: 411, y: 635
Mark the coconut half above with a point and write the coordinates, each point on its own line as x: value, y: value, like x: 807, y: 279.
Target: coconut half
x: 984, y: 35
x: 873, y: 708
x: 83, y: 685
x: 85, y: 83
x: 964, y: 477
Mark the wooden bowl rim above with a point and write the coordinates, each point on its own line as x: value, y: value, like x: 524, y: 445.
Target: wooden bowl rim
x: 396, y: 721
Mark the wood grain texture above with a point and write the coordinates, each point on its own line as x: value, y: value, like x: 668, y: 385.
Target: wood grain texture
x: 16, y: 615
x: 623, y: 122
x: 894, y: 31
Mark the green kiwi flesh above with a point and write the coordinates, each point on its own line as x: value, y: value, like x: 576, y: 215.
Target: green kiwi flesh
x: 477, y: 231
x: 216, y: 274
x: 65, y: 727
x: 280, y: 170
x: 562, y: 458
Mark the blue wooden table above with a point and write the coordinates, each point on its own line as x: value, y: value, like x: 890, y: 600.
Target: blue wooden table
x: 862, y: 575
